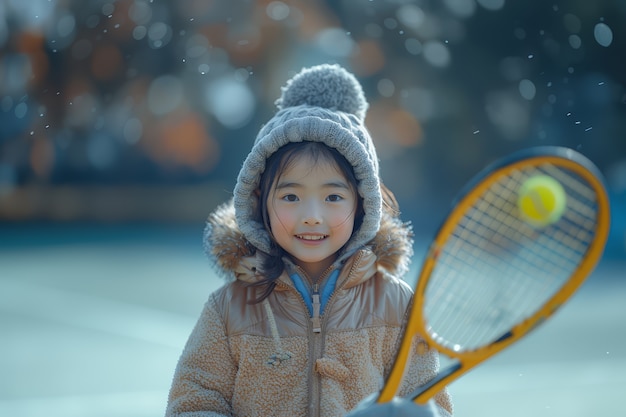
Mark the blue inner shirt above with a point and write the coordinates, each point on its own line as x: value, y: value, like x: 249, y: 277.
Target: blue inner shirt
x: 325, y: 291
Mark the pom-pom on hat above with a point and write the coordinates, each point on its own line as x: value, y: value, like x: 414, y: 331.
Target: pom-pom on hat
x: 326, y: 86
x: 324, y: 103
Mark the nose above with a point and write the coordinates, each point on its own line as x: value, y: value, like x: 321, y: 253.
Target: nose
x: 312, y: 213
x: 311, y: 220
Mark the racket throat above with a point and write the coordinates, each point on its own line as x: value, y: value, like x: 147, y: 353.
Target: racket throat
x: 424, y: 392
x: 504, y: 337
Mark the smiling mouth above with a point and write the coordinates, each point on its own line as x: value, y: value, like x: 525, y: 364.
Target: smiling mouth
x: 312, y: 237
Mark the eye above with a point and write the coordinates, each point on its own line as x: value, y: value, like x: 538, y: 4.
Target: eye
x: 290, y: 197
x: 334, y: 198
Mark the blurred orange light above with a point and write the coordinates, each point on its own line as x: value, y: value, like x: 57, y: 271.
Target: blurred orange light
x: 182, y: 140
x: 369, y: 59
x: 106, y: 62
x: 393, y: 127
x: 42, y: 157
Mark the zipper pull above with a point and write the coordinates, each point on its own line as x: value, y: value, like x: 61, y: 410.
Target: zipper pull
x: 317, y: 325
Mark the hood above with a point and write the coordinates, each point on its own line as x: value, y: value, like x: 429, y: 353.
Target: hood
x: 325, y: 104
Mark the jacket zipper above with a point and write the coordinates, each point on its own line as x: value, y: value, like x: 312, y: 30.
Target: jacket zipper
x: 357, y: 260
x: 315, y: 352
x: 317, y: 341
x: 317, y: 305
x: 316, y: 321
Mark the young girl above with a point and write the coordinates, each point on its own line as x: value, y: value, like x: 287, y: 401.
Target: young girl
x: 313, y: 250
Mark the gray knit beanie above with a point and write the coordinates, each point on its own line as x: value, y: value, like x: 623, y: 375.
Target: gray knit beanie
x: 324, y: 103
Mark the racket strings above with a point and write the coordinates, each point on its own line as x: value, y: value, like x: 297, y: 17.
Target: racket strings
x: 495, y: 269
x: 489, y: 268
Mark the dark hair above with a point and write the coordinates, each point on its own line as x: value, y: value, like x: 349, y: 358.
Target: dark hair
x: 278, y: 163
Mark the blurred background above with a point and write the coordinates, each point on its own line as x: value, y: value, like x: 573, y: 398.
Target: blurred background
x: 124, y: 123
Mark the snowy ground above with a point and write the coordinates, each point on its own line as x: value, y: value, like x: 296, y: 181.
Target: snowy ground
x: 93, y: 322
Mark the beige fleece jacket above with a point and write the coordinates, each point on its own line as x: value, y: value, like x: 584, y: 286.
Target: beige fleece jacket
x: 274, y: 359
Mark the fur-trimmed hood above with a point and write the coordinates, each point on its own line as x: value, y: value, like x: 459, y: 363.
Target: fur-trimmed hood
x: 234, y: 256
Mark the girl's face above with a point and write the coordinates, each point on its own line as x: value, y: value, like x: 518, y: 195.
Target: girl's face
x: 311, y: 209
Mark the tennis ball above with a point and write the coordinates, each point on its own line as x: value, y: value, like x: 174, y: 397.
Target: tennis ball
x: 541, y: 200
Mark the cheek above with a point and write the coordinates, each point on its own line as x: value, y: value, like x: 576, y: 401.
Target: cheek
x: 281, y: 217
x: 344, y: 218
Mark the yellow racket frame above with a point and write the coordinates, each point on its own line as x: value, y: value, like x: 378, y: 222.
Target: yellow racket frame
x: 469, y: 359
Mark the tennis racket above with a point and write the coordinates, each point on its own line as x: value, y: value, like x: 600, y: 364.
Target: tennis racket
x: 489, y: 277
